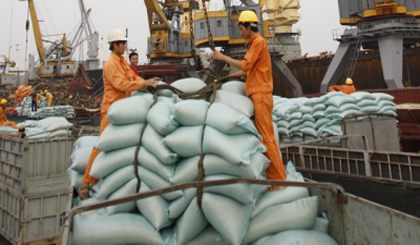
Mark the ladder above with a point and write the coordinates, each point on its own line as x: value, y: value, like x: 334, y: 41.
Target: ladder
x: 354, y: 57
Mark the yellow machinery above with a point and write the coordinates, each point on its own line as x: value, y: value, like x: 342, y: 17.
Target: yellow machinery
x: 7, y: 78
x: 283, y: 13
x: 222, y: 24
x: 385, y: 7
x: 11, y: 63
x: 352, y: 11
x: 170, y: 28
x: 55, y: 60
x: 168, y: 40
x: 50, y: 68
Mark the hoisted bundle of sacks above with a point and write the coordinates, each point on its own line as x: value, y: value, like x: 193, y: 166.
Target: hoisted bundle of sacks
x: 303, y: 119
x: 177, y: 133
x: 22, y: 92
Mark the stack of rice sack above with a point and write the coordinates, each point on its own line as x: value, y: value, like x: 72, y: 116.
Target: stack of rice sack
x: 177, y: 133
x: 25, y: 106
x: 302, y: 119
x: 294, y: 119
x: 79, y: 158
x: 58, y: 126
x: 380, y: 103
x: 44, y: 111
x: 43, y: 103
x: 66, y: 111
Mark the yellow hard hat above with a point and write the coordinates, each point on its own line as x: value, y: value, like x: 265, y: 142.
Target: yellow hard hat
x: 247, y: 16
x: 3, y: 101
x: 349, y: 81
x: 46, y: 91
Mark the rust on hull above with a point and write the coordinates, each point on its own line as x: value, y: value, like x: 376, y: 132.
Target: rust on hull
x: 368, y: 74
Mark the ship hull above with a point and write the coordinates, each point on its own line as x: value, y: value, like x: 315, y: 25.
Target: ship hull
x: 368, y: 73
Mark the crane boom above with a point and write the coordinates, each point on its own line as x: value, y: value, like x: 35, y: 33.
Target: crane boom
x: 153, y: 7
x: 37, y: 30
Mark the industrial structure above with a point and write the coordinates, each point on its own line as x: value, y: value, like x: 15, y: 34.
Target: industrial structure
x: 177, y: 28
x: 387, y: 25
x: 6, y: 77
x: 56, y: 60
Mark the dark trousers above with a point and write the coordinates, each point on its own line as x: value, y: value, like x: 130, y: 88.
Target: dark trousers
x: 34, y: 105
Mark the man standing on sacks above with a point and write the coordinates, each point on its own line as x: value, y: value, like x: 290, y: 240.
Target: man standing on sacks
x: 119, y: 81
x: 259, y: 87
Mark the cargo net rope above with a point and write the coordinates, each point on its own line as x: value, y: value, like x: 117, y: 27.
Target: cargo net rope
x: 208, y: 93
x: 180, y: 133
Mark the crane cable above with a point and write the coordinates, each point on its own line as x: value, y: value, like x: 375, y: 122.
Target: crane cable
x: 192, y: 36
x: 26, y: 41
x: 210, y: 36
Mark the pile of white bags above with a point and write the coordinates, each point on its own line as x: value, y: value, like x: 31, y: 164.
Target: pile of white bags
x: 44, y: 111
x: 57, y: 127
x: 25, y: 106
x: 177, y: 132
x: 43, y: 103
x: 66, y: 111
x: 302, y: 119
x: 79, y: 158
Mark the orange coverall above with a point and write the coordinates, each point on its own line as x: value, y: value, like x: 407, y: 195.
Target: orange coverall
x: 259, y: 87
x: 119, y: 81
x: 347, y: 89
x: 3, y: 119
x: 38, y: 99
x: 49, y: 97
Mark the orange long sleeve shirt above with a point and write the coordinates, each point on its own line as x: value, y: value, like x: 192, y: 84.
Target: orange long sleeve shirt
x: 257, y: 65
x: 38, y: 98
x: 347, y: 89
x: 119, y: 80
x: 3, y: 117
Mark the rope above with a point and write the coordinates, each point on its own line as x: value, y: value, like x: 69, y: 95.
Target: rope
x: 136, y: 153
x: 200, y: 174
x: 208, y: 93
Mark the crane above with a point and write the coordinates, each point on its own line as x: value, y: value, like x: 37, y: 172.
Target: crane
x: 386, y: 25
x: 56, y: 59
x: 11, y: 63
x: 226, y: 35
x: 6, y: 77
x: 167, y: 41
x: 351, y: 14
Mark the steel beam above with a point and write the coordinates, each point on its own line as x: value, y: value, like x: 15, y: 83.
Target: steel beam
x: 391, y: 51
x: 286, y: 75
x: 337, y: 67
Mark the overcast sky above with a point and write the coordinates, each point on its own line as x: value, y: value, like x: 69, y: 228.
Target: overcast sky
x: 318, y: 19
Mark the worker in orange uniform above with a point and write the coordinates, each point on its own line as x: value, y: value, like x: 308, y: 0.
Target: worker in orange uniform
x: 134, y: 61
x: 38, y: 99
x: 347, y: 88
x: 3, y: 118
x: 119, y: 81
x: 49, y: 97
x: 259, y: 87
